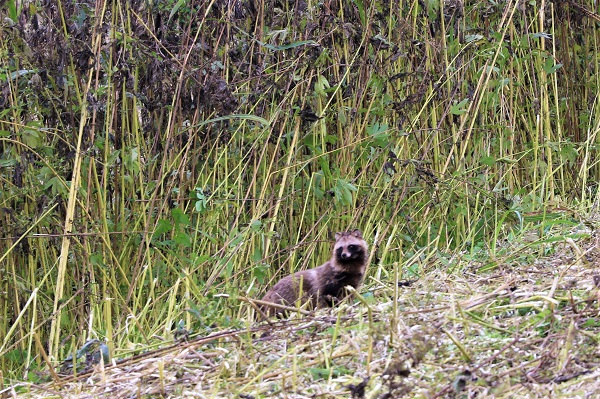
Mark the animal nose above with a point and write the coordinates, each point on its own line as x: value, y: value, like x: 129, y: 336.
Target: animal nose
x: 345, y: 255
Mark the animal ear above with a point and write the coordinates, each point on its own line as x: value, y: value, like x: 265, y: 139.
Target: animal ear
x: 357, y: 233
x: 338, y: 236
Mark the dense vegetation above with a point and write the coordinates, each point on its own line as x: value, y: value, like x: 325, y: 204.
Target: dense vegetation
x: 162, y: 161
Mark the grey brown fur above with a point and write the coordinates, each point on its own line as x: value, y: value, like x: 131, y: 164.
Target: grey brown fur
x: 324, y: 285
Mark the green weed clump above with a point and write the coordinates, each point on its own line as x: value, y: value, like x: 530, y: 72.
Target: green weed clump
x: 161, y: 160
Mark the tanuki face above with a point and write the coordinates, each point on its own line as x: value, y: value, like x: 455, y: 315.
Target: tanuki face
x: 350, y: 249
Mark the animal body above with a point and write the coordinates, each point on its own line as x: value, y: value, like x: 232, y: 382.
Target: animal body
x: 324, y: 285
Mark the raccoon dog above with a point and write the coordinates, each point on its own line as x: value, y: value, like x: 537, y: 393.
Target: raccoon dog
x: 324, y: 285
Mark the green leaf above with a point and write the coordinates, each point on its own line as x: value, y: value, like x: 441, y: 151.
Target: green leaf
x: 433, y: 7
x: 317, y: 186
x: 550, y: 66
x: 228, y: 271
x: 182, y: 239
x: 255, y: 225
x: 321, y: 85
x: 17, y: 74
x: 591, y: 323
x: 31, y: 137
x: 376, y: 128
x: 257, y: 255
x: 176, y: 8
x: 237, y: 239
x: 202, y: 202
x: 473, y: 38
x: 487, y: 160
x: 16, y: 355
x: 132, y: 160
x: 113, y: 157
x: 361, y: 11
x: 318, y: 373
x: 163, y: 226
x: 460, y: 108
x: 97, y: 259
x: 179, y: 217
x: 12, y: 10
x: 568, y: 151
x: 56, y: 186
x: 541, y: 34
x: 7, y: 162
x: 343, y: 192
x: 260, y: 272
x: 378, y: 134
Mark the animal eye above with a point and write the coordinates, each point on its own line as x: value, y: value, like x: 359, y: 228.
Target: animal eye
x: 351, y: 247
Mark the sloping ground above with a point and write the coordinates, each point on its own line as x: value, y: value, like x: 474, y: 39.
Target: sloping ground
x: 528, y: 331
